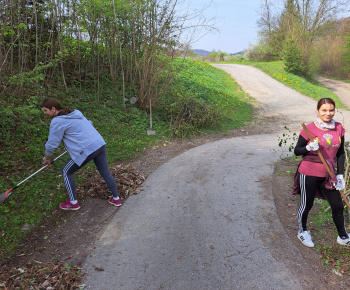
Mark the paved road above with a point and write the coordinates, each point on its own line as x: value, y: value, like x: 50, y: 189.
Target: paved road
x: 206, y: 219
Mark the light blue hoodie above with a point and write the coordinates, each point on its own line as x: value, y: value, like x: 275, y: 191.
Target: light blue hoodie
x: 78, y: 135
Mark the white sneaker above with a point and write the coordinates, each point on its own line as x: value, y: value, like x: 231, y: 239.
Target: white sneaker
x: 343, y: 242
x: 306, y: 239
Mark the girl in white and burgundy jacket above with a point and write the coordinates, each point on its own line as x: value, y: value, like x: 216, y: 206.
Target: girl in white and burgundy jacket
x: 312, y: 179
x: 83, y: 143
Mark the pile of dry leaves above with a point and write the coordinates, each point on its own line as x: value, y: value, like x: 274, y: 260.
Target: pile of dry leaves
x: 51, y: 275
x: 128, y: 180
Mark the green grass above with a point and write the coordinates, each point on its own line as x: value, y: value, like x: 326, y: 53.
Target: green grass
x: 125, y: 134
x: 311, y: 88
x: 24, y: 130
x: 217, y: 88
x: 325, y: 233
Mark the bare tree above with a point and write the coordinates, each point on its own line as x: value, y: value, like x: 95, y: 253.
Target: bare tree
x: 69, y: 41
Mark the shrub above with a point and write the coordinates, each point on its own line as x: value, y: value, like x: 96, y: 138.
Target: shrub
x: 235, y: 58
x: 293, y: 59
x: 187, y: 113
x: 260, y: 52
x: 346, y: 55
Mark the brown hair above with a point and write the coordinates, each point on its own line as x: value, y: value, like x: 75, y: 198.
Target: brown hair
x: 53, y: 103
x: 325, y: 101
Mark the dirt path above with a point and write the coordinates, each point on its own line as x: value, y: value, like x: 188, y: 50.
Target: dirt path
x: 341, y: 89
x: 280, y: 105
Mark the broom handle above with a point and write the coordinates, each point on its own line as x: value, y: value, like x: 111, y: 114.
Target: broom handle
x: 325, y: 164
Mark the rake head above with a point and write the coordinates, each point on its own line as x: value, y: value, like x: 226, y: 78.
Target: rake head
x: 4, y: 195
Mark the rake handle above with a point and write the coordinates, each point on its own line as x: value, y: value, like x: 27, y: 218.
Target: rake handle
x: 325, y: 164
x: 7, y: 193
x: 42, y: 168
x: 318, y: 151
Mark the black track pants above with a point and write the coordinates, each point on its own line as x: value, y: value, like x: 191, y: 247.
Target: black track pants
x: 308, y: 187
x: 100, y: 160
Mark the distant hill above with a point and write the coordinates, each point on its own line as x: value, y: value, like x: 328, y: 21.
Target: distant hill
x: 206, y: 53
x: 201, y: 52
x: 240, y: 52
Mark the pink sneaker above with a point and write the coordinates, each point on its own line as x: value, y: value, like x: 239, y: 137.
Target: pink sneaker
x: 68, y: 206
x: 117, y: 202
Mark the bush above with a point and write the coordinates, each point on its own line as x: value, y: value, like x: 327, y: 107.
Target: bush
x: 346, y: 55
x: 235, y: 58
x: 293, y: 59
x: 187, y: 114
x: 260, y: 52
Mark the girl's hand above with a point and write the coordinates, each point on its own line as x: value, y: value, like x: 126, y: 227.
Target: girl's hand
x: 340, y: 182
x: 313, y: 146
x: 47, y: 161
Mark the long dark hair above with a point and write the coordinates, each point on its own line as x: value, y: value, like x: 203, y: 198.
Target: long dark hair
x: 53, y: 103
x: 325, y: 101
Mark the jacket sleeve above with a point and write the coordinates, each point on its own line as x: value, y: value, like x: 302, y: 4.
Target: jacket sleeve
x: 55, y: 137
x: 300, y: 148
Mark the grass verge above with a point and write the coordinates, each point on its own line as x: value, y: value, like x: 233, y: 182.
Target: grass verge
x: 334, y: 256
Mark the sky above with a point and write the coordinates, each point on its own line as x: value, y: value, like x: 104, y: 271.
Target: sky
x: 238, y: 24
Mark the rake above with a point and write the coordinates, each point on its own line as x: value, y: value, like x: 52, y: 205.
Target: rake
x: 7, y: 193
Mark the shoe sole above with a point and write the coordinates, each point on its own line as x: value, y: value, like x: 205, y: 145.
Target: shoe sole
x: 117, y: 205
x: 75, y: 208
x: 305, y: 244
x: 342, y: 244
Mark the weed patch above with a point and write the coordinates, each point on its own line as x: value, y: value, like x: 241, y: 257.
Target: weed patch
x: 218, y: 101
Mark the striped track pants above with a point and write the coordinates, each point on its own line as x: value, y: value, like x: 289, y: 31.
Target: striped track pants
x: 308, y: 187
x: 100, y: 159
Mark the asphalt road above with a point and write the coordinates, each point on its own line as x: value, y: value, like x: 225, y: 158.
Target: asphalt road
x: 206, y: 219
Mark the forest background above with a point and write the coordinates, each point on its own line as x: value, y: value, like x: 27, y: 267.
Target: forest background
x: 130, y: 68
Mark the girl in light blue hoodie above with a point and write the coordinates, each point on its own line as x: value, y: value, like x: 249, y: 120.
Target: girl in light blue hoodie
x: 83, y: 143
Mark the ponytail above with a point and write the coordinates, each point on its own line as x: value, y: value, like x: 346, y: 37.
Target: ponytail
x: 53, y: 103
